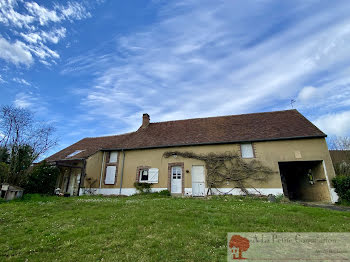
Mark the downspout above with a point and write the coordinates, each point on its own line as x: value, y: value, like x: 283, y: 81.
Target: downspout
x: 102, y: 166
x: 121, y: 179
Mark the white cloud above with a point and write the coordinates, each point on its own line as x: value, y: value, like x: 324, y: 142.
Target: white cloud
x: 31, y: 37
x: 307, y: 93
x: 38, y: 26
x: 44, y: 15
x: 2, y: 80
x: 9, y: 16
x: 45, y: 62
x: 198, y: 60
x: 74, y: 10
x: 25, y: 100
x: 54, y: 36
x: 41, y: 14
x: 332, y: 94
x: 35, y: 103
x: 337, y: 124
x: 21, y: 81
x: 17, y: 52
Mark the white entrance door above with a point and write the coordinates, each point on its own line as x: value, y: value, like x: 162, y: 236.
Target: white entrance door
x: 198, y: 181
x: 176, y: 180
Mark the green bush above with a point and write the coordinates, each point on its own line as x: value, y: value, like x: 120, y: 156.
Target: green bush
x: 342, y: 187
x: 41, y: 179
x: 35, y: 198
x: 143, y: 187
x: 342, y: 169
x: 164, y: 193
x: 279, y: 198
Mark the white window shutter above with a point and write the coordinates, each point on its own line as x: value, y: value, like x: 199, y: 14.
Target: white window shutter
x: 113, y: 157
x: 247, y: 150
x: 110, y: 175
x: 153, y: 175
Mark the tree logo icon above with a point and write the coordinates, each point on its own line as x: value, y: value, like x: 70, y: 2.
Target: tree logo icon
x: 238, y: 245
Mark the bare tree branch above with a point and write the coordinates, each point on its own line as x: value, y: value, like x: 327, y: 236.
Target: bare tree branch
x: 25, y: 138
x: 339, y: 143
x: 228, y: 167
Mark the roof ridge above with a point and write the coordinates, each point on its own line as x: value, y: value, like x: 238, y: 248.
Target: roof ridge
x: 211, y: 117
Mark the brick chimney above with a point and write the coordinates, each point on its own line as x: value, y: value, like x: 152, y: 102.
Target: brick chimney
x: 145, y: 120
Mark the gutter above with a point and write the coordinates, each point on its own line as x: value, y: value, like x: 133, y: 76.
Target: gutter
x: 121, y: 179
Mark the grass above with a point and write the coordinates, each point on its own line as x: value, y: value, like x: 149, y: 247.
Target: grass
x: 146, y: 227
x: 344, y: 203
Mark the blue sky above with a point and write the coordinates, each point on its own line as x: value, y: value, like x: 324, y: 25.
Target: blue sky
x: 92, y: 68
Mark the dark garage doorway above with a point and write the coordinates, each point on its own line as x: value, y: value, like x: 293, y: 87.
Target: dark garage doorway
x: 304, y: 181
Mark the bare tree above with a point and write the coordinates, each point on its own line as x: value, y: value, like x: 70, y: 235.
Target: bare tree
x: 25, y: 139
x: 341, y: 159
x: 339, y: 143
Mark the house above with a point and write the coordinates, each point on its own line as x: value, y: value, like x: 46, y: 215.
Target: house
x: 284, y: 141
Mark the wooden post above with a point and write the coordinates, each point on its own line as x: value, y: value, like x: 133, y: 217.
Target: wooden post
x: 70, y: 174
x: 82, y: 176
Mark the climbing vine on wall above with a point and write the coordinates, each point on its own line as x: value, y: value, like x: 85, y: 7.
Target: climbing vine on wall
x: 228, y: 167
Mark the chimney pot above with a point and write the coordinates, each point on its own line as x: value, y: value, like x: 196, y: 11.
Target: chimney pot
x: 145, y: 120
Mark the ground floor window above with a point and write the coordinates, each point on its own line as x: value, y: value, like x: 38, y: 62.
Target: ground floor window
x: 176, y: 172
x: 143, y: 175
x: 147, y: 174
x: 110, y: 175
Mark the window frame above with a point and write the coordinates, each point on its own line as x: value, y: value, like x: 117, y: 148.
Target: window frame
x: 140, y: 175
x: 107, y: 163
x: 177, y: 173
x: 76, y: 152
x: 110, y: 154
x: 115, y: 175
x: 253, y: 150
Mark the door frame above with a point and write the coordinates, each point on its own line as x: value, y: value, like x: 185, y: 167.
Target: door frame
x: 170, y: 166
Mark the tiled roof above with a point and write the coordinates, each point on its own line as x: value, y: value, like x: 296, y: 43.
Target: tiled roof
x: 89, y: 146
x: 276, y: 125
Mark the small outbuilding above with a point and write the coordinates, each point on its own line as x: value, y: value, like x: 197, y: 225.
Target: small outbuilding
x: 10, y: 192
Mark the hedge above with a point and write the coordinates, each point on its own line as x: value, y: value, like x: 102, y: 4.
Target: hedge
x: 342, y: 187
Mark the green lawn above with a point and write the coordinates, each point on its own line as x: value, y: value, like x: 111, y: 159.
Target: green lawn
x: 146, y: 228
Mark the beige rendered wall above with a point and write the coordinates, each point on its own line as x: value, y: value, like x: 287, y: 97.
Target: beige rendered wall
x: 93, y: 170
x: 270, y: 153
